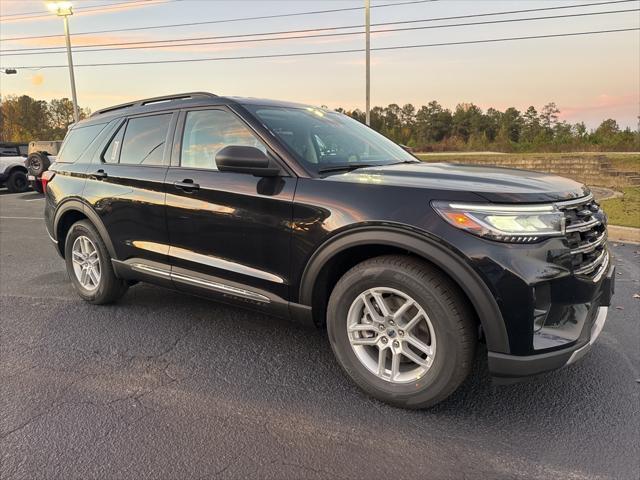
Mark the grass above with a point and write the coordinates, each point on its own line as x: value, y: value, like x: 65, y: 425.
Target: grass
x: 628, y: 162
x: 625, y: 210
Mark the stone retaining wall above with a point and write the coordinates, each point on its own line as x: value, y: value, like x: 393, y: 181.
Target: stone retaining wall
x: 592, y: 169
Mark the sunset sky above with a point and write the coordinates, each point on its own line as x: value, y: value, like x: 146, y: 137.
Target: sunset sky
x: 589, y: 77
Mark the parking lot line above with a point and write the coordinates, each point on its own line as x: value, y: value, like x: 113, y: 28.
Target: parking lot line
x: 21, y: 218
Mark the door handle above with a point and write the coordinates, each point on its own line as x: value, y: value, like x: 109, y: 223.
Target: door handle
x: 187, y: 185
x: 99, y: 175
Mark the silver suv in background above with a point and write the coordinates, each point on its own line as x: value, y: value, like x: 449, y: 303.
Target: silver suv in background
x: 13, y: 172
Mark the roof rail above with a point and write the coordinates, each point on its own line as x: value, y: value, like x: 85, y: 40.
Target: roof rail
x: 152, y: 100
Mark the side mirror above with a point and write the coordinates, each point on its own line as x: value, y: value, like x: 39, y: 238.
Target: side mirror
x: 242, y: 159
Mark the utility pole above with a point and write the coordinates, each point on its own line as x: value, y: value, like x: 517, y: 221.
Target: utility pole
x: 367, y: 20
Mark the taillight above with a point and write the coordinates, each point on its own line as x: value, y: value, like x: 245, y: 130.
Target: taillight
x: 46, y: 178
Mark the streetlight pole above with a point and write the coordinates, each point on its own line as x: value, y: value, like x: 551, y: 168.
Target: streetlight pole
x: 64, y: 9
x: 367, y: 20
x: 74, y: 96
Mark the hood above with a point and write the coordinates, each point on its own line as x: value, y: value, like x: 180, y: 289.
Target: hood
x: 495, y: 184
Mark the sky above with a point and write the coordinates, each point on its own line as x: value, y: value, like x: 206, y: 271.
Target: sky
x: 590, y: 78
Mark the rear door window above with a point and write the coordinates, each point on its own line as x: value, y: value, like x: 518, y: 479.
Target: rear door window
x: 144, y: 140
x: 77, y: 141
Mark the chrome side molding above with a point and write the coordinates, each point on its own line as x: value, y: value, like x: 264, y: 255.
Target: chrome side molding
x: 200, y: 282
x: 220, y: 287
x: 211, y: 261
x: 141, y: 267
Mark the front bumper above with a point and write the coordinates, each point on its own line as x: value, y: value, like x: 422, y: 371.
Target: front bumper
x: 513, y: 367
x: 506, y: 368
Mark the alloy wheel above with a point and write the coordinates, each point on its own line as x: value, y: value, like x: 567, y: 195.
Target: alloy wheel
x: 86, y: 263
x: 391, y: 335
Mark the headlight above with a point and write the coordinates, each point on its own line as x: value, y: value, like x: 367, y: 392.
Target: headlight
x: 504, y: 223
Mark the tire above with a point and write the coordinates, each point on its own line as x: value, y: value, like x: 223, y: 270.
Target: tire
x: 38, y: 163
x: 442, y: 324
x: 108, y: 287
x: 17, y: 182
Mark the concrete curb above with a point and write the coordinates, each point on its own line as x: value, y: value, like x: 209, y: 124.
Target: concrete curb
x: 623, y: 234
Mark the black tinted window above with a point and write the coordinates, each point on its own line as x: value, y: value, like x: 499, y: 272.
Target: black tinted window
x: 8, y: 151
x: 77, y: 141
x: 144, y: 140
x: 112, y: 153
x: 206, y: 132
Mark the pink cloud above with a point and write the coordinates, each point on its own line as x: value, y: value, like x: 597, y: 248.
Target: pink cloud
x: 213, y: 45
x: 49, y: 16
x: 92, y: 40
x: 602, y: 104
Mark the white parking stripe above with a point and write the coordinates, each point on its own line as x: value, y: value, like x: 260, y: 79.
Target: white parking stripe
x: 22, y: 218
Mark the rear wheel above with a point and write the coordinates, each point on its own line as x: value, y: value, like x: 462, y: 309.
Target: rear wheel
x: 89, y: 265
x: 17, y: 182
x: 401, y: 330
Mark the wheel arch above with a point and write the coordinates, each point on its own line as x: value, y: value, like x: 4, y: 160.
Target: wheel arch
x: 14, y: 168
x: 360, y: 243
x: 72, y: 211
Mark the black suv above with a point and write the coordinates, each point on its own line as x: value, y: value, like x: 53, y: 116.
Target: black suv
x: 305, y: 213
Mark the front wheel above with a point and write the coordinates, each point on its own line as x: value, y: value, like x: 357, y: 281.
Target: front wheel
x: 89, y: 265
x: 402, y: 330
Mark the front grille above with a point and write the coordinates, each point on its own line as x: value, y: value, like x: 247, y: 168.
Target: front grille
x: 586, y: 236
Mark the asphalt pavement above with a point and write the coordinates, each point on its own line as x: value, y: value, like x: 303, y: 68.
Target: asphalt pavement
x: 167, y: 386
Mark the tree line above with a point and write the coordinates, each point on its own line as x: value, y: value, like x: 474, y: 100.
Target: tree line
x: 428, y: 128
x: 435, y: 128
x: 23, y: 118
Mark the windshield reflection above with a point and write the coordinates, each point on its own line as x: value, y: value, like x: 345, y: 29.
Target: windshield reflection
x: 324, y: 141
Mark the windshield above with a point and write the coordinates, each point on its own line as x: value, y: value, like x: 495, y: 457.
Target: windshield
x: 324, y: 141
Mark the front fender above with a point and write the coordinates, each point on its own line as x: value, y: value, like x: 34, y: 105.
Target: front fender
x: 429, y: 249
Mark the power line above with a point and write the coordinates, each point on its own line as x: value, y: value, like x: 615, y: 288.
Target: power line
x: 282, y: 32
x: 208, y: 22
x: 263, y: 17
x: 75, y: 8
x: 319, y: 35
x: 330, y: 52
x: 112, y: 6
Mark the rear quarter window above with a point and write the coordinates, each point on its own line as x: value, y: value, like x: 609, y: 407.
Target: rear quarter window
x: 77, y: 141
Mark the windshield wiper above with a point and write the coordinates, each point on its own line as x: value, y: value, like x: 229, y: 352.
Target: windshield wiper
x: 347, y: 167
x: 405, y: 161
